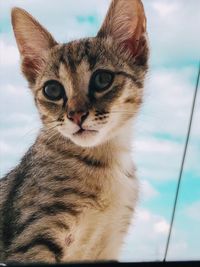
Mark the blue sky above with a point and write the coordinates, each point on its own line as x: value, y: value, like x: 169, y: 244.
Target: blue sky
x: 160, y: 129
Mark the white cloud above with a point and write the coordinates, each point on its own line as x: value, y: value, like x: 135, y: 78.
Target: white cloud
x: 19, y: 124
x: 161, y: 227
x: 143, y: 215
x: 67, y: 7
x: 61, y: 19
x: 157, y: 159
x: 9, y: 54
x: 5, y: 148
x: 19, y: 117
x: 193, y: 153
x: 13, y: 91
x: 161, y: 159
x: 174, y: 31
x: 193, y: 211
x: 192, y: 159
x: 162, y: 125
x: 179, y: 250
x: 165, y: 9
x: 146, y: 238
x: 20, y: 132
x: 14, y: 142
x: 152, y: 145
x: 167, y: 101
x: 147, y: 191
x: 16, y: 99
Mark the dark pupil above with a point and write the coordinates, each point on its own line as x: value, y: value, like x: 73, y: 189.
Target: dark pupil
x: 103, y: 80
x: 53, y: 91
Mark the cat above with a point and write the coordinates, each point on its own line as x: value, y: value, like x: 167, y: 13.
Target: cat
x: 72, y: 196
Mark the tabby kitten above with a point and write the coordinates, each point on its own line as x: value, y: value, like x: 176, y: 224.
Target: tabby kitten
x: 72, y: 196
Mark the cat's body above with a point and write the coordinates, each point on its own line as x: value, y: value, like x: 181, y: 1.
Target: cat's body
x: 73, y: 195
x: 83, y: 203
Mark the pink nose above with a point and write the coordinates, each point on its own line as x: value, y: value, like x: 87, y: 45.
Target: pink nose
x: 77, y: 117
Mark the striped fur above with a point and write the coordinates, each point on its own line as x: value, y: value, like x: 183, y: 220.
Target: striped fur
x: 72, y: 195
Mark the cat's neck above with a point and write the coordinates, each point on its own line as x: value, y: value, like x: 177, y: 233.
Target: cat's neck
x: 107, y: 152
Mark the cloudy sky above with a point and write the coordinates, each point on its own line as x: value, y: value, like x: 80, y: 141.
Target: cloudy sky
x: 161, y: 127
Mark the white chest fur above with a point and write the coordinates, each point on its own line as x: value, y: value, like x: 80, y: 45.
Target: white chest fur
x: 100, y: 232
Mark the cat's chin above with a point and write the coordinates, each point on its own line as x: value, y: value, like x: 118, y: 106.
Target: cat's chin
x: 85, y: 138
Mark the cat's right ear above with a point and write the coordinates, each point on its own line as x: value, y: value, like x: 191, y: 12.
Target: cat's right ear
x: 33, y: 42
x: 125, y: 23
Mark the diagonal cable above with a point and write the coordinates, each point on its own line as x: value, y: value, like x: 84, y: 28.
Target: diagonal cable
x: 182, y: 165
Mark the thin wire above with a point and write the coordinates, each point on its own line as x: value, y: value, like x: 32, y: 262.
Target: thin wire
x: 182, y: 165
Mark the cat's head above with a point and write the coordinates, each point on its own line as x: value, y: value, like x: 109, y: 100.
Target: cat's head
x: 90, y: 88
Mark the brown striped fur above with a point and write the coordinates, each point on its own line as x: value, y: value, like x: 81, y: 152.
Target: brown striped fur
x: 72, y: 196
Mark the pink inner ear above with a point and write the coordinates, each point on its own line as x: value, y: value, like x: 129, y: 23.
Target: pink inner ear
x: 31, y: 67
x: 137, y: 43
x: 134, y: 46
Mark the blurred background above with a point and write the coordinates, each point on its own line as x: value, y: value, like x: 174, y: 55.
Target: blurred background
x: 161, y: 127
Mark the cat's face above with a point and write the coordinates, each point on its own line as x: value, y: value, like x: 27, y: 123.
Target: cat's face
x: 88, y: 78
x: 87, y: 89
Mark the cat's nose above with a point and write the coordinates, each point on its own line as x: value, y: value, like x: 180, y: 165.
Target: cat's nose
x: 77, y: 117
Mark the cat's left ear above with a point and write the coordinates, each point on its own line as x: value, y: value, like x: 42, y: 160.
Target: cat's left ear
x: 125, y: 23
x: 33, y: 41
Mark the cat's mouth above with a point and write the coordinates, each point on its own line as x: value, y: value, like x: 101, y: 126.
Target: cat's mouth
x: 83, y: 132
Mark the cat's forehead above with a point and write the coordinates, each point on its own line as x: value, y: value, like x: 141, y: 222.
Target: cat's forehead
x: 77, y: 53
x: 86, y: 50
x: 92, y: 52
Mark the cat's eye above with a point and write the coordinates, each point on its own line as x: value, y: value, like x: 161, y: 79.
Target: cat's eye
x: 101, y: 80
x: 53, y: 90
